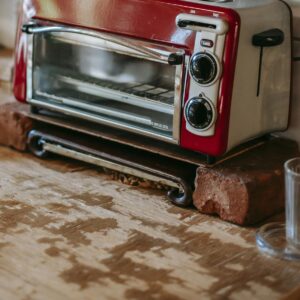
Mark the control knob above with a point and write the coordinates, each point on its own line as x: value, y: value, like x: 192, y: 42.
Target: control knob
x: 200, y: 113
x: 204, y: 68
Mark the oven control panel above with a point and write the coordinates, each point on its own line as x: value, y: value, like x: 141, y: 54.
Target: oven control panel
x: 205, y: 69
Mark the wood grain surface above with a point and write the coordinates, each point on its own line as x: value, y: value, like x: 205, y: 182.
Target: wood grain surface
x: 68, y: 231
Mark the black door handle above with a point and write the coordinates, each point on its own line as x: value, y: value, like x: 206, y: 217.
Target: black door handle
x: 269, y: 38
x: 175, y: 59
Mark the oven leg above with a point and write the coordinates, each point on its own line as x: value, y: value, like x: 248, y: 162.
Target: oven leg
x: 211, y: 160
x: 35, y: 145
x: 181, y: 198
x: 34, y: 109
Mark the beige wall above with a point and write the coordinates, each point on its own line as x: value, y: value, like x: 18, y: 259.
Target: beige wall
x: 294, y: 129
x: 8, y: 22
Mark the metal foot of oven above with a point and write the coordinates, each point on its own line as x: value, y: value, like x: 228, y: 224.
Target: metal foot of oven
x: 34, y: 109
x: 210, y: 160
x: 41, y: 144
x: 181, y: 197
x: 36, y: 145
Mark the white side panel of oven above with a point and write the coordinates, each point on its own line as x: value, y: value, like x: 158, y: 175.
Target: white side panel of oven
x: 210, y: 92
x: 251, y: 115
x: 294, y: 126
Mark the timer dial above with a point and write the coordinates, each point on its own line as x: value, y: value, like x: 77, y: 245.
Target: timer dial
x: 204, y: 68
x: 200, y: 113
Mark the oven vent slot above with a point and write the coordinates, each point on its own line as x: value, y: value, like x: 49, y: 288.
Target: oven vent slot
x: 200, y: 23
x: 188, y: 24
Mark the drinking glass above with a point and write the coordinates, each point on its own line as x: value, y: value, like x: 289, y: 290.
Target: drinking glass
x: 292, y: 201
x: 283, y: 239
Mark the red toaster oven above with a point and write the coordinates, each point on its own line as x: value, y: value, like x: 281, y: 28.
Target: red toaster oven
x: 205, y: 75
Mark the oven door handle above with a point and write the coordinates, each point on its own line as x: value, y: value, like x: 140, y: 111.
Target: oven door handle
x: 33, y: 28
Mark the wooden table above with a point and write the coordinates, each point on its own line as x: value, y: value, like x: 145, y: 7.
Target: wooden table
x: 69, y: 231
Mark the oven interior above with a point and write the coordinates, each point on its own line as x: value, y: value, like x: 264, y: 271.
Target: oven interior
x: 117, y: 85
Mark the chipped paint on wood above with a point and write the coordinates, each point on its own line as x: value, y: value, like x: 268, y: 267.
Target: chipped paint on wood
x: 68, y: 231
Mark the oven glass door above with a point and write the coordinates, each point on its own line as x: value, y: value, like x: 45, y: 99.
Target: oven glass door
x: 111, y: 80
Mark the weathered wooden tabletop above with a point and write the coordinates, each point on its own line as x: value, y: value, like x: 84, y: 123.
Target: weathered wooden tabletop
x: 68, y: 231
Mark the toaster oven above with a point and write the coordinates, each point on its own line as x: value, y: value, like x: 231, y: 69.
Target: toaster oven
x: 204, y: 75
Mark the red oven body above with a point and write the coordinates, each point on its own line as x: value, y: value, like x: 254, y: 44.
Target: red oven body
x: 150, y: 20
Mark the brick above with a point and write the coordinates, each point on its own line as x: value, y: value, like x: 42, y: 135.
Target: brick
x: 248, y: 188
x: 14, y: 125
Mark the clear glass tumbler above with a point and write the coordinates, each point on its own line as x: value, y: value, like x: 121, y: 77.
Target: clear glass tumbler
x: 292, y: 201
x: 283, y: 239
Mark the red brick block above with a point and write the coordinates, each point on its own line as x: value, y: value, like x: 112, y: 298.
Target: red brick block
x: 248, y: 188
x: 14, y: 125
